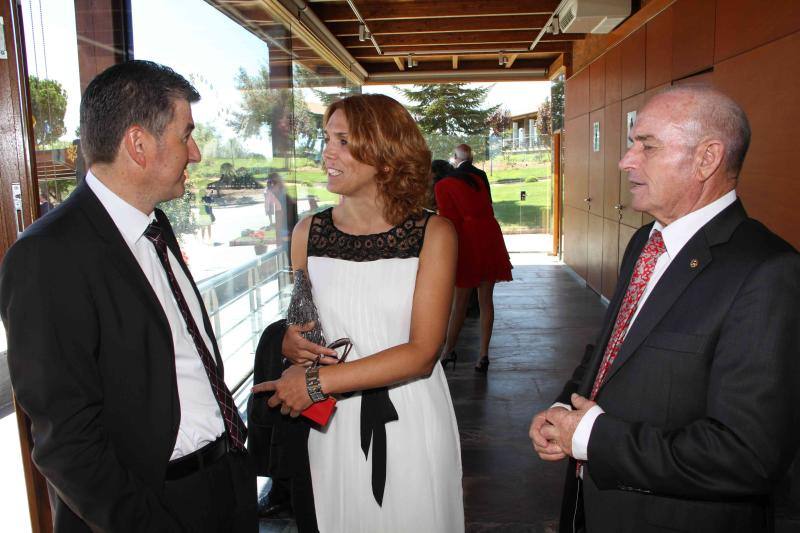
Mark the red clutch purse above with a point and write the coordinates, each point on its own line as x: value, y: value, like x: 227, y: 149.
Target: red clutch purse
x: 320, y: 412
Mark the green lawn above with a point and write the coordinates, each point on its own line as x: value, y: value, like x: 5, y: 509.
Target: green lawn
x: 515, y: 215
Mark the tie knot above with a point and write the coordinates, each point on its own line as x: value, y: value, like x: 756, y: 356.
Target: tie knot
x: 656, y: 244
x: 154, y: 234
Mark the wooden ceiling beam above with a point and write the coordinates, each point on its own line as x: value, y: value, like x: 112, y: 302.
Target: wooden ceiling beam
x: 484, y: 64
x: 455, y: 62
x: 522, y: 46
x: 382, y: 10
x: 399, y: 62
x: 426, y: 39
x: 511, y: 59
x: 438, y: 25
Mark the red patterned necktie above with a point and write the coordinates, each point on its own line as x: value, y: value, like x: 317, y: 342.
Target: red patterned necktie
x: 237, y: 432
x: 642, y: 273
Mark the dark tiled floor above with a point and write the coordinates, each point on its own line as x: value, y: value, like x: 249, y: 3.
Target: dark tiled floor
x: 543, y: 319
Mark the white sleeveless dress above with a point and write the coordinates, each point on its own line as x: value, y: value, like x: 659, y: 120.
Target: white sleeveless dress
x: 363, y: 287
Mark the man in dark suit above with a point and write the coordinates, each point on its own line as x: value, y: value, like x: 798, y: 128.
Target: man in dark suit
x: 685, y: 415
x: 462, y: 162
x: 111, y: 352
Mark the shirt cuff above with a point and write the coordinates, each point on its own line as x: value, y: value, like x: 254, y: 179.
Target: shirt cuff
x: 580, y: 439
x: 565, y: 406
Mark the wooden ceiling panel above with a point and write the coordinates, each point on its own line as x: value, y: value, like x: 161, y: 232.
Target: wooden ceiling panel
x: 439, y: 25
x: 466, y: 36
x: 387, y: 10
x: 427, y: 39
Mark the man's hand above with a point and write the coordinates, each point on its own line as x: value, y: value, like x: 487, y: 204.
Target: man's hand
x: 547, y: 450
x: 290, y: 391
x: 561, y: 423
x: 303, y: 352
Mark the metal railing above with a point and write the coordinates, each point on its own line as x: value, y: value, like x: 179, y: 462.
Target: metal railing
x: 241, y: 302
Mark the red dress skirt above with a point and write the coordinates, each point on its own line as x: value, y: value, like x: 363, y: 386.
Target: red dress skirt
x: 482, y: 254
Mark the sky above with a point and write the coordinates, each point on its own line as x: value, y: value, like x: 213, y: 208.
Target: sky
x: 202, y: 44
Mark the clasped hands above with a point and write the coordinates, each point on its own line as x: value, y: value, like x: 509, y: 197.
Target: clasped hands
x: 289, y: 392
x: 551, y: 430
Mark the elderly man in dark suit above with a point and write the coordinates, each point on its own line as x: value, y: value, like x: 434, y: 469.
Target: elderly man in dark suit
x: 685, y: 416
x: 111, y: 352
x: 462, y: 162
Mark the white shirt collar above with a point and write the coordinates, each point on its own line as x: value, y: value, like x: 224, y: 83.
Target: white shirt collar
x: 130, y: 222
x: 461, y: 163
x: 677, y: 234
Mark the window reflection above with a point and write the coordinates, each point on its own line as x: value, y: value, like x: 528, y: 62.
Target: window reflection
x: 258, y: 127
x: 52, y: 62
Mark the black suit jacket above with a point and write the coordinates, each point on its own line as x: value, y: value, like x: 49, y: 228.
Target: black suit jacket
x: 701, y: 403
x: 93, y: 365
x: 468, y: 167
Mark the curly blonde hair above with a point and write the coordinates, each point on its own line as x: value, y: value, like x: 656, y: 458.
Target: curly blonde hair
x: 384, y: 135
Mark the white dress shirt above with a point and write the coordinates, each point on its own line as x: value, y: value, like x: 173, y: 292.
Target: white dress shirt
x: 675, y: 236
x: 201, y: 420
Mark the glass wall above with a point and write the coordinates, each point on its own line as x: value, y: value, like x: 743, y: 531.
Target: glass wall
x: 258, y: 127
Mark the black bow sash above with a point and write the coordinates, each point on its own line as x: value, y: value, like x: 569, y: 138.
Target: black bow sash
x: 376, y: 410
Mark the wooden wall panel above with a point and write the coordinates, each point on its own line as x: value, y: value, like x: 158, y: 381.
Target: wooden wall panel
x: 658, y: 60
x: 610, y: 257
x: 625, y: 235
x: 629, y: 216
x: 576, y: 162
x: 576, y: 100
x: 597, y: 84
x: 693, y: 36
x: 654, y: 91
x: 611, y: 156
x: 633, y: 50
x: 704, y: 78
x: 757, y: 80
x: 746, y: 24
x: 594, y: 253
x: 613, y: 75
x: 596, y: 169
x: 576, y: 228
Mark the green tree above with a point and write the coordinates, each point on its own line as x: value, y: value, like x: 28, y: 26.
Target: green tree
x: 544, y: 118
x: 49, y: 103
x: 499, y: 121
x: 557, y: 103
x: 280, y: 109
x: 179, y: 212
x: 207, y: 138
x: 449, y: 108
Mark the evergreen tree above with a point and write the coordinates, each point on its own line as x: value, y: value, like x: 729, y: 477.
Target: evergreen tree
x: 449, y: 108
x: 49, y: 103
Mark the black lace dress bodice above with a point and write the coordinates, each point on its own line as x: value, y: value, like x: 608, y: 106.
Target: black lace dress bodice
x: 402, y: 241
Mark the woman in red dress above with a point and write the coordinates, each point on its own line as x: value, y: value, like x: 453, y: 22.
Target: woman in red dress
x: 482, y: 256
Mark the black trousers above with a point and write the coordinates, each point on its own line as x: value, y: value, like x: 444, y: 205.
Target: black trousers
x: 219, y: 498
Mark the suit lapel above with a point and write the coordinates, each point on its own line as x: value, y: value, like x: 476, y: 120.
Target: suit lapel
x: 638, y: 241
x: 120, y: 254
x: 685, y: 267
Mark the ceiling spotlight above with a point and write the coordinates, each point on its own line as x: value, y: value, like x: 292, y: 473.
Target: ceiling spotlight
x: 410, y: 61
x: 502, y: 60
x: 363, y: 33
x: 555, y: 25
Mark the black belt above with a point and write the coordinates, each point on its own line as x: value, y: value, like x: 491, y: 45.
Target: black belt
x: 197, y: 460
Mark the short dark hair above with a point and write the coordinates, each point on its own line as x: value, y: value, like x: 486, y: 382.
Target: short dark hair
x: 133, y: 92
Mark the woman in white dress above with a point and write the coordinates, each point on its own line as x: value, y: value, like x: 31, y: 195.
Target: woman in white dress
x: 382, y: 272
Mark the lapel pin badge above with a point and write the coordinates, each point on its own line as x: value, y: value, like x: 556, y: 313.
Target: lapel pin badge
x: 694, y: 263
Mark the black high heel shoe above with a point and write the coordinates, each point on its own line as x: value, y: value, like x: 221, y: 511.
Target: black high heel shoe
x: 483, y: 365
x: 451, y: 358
